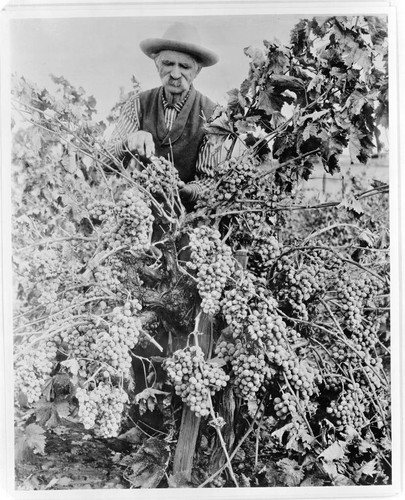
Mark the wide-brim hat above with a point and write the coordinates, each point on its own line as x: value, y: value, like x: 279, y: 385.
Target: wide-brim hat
x: 180, y: 37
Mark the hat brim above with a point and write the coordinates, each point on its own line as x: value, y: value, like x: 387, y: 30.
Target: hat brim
x: 152, y: 46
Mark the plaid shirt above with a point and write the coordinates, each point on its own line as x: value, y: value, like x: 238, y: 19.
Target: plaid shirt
x: 128, y: 123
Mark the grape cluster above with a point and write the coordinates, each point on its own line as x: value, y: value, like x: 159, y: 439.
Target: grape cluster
x: 235, y: 303
x: 264, y: 323
x: 302, y: 377
x: 47, y: 263
x: 194, y: 378
x: 353, y: 295
x: 101, y: 408
x: 34, y: 367
x: 150, y: 329
x: 366, y: 338
x: 250, y: 222
x: 108, y: 278
x: 159, y: 177
x: 265, y: 250
x: 249, y: 370
x: 370, y: 371
x: 49, y: 295
x: 212, y: 260
x: 349, y: 408
x: 235, y: 178
x: 49, y: 269
x: 299, y: 283
x: 129, y: 223
x: 251, y: 312
x: 105, y: 344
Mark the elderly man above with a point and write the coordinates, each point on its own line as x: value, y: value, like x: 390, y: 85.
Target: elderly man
x: 168, y: 121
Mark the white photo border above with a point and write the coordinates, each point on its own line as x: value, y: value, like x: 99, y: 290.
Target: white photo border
x: 91, y: 8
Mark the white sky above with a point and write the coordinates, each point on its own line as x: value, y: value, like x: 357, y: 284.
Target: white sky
x: 101, y: 54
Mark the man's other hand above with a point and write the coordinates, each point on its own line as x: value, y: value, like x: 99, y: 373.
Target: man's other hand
x: 142, y: 143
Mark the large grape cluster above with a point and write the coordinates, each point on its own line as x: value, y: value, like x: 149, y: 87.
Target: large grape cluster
x: 101, y: 408
x: 212, y: 260
x: 263, y: 343
x: 34, y: 367
x: 249, y: 369
x: 105, y: 344
x: 130, y: 222
x: 194, y: 378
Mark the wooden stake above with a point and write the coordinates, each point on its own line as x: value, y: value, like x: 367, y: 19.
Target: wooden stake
x: 190, y: 423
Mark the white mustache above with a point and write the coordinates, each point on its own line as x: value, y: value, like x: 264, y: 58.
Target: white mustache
x: 175, y: 83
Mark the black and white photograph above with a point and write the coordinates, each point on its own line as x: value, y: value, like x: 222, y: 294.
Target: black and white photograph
x: 201, y: 240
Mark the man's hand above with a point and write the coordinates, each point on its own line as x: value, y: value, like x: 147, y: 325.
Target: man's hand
x: 142, y: 143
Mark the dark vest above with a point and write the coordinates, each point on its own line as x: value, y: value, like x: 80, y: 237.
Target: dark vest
x: 181, y: 144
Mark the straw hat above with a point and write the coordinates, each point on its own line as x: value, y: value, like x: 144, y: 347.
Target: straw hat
x: 182, y: 38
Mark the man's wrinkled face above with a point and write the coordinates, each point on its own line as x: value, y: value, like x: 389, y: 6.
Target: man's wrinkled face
x: 176, y: 70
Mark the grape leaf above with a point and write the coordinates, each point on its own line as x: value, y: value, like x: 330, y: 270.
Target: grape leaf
x: 218, y: 130
x: 349, y: 202
x: 367, y: 237
x: 355, y: 146
x: 291, y: 472
x: 334, y: 452
x: 330, y: 469
x: 147, y: 399
x: 34, y: 438
x: 63, y: 408
x: 312, y: 481
x: 252, y: 407
x: 341, y: 480
x: 314, y: 116
x: 279, y: 433
x: 367, y: 468
x: 72, y: 365
x: 255, y: 54
x: 311, y: 130
x: 134, y: 436
x: 272, y: 474
x: 287, y: 82
x: 293, y: 443
x: 149, y: 464
x: 264, y: 102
